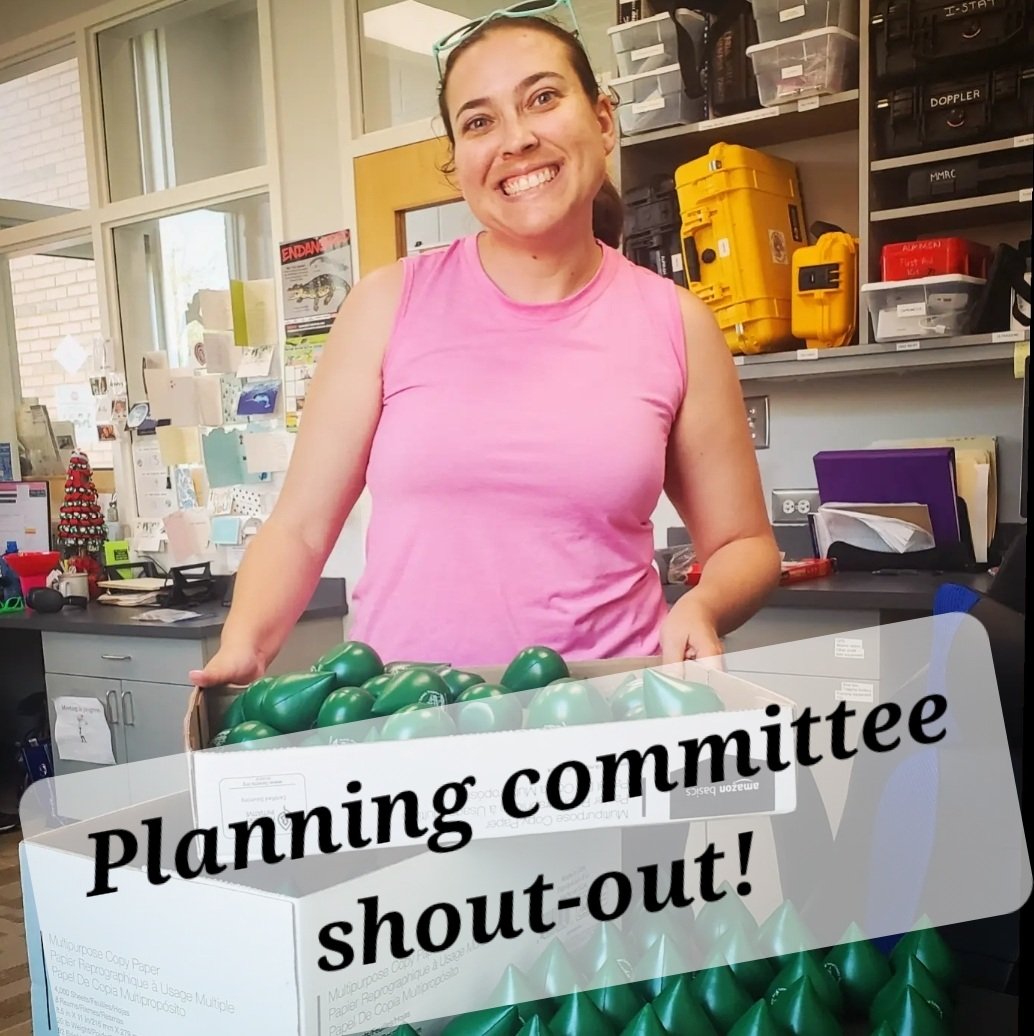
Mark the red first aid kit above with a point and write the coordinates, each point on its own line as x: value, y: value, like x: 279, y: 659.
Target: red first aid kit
x: 934, y: 257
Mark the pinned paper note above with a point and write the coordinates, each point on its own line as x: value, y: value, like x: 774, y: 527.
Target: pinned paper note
x: 223, y: 453
x: 254, y: 312
x: 148, y: 535
x: 248, y: 502
x: 208, y: 389
x: 186, y: 491
x: 187, y: 533
x: 226, y: 530
x: 255, y: 362
x: 172, y: 396
x: 258, y: 399
x: 81, y: 732
x: 178, y: 445
x: 70, y: 355
x: 268, y: 451
x: 220, y: 500
x: 212, y: 309
x: 222, y: 356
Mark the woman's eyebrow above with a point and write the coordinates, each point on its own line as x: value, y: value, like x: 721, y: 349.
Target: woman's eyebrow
x: 524, y: 84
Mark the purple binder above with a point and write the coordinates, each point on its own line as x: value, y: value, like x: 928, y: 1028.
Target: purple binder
x: 923, y: 475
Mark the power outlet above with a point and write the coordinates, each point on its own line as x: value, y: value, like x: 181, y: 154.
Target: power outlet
x: 757, y: 420
x: 792, y: 506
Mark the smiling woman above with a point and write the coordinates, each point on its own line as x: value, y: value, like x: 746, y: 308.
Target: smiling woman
x: 516, y: 403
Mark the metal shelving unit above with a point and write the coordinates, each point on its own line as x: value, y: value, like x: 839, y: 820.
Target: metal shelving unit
x: 988, y: 208
x: 814, y: 116
x: 949, y: 154
x: 925, y: 354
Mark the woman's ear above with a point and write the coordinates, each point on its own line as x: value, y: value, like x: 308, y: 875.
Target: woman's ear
x: 608, y: 121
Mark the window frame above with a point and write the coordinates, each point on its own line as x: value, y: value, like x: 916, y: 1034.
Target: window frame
x: 78, y: 37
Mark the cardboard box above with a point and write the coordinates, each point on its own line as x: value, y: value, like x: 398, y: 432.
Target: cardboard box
x: 242, y: 782
x: 237, y: 953
x: 206, y: 955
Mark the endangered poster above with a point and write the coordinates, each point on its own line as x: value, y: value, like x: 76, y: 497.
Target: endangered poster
x: 316, y: 277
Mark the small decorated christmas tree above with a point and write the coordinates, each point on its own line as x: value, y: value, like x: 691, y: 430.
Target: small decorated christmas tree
x: 81, y: 528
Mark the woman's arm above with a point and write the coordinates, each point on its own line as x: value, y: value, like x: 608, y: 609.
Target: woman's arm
x: 712, y: 479
x: 326, y: 476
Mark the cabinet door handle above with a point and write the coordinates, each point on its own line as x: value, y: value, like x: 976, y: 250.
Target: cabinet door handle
x: 128, y: 714
x: 117, y: 658
x: 111, y: 701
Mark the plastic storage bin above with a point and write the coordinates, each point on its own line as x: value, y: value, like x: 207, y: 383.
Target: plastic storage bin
x: 938, y: 256
x: 653, y: 43
x: 825, y: 291
x: 742, y: 222
x: 780, y: 19
x: 815, y: 63
x: 654, y: 100
x: 927, y: 307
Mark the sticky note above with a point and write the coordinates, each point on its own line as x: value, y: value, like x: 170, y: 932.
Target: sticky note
x: 222, y: 356
x: 178, y: 445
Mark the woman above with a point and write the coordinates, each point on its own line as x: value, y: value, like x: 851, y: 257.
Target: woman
x: 516, y: 404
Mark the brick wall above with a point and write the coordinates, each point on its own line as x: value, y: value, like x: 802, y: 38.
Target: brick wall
x: 54, y: 297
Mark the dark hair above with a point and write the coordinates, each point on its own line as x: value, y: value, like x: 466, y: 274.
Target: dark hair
x: 608, y: 210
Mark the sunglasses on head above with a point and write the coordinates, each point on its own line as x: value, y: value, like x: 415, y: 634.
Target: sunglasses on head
x: 525, y: 9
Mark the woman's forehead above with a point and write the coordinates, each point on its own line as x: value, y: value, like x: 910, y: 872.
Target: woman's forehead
x: 503, y: 59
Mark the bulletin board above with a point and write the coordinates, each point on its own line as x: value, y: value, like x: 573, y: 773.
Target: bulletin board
x: 25, y: 515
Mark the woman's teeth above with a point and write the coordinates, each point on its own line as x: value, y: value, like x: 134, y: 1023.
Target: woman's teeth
x: 519, y: 184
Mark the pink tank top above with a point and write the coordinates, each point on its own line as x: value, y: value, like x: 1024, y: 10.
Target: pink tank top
x: 519, y: 457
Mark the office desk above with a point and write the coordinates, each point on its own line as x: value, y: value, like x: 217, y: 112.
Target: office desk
x: 138, y: 671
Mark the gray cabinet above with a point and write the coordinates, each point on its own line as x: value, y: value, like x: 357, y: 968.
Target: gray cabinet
x: 142, y: 681
x: 152, y: 718
x: 62, y: 685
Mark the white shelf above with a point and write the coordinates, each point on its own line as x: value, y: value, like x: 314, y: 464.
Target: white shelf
x: 950, y: 153
x: 1003, y: 200
x: 813, y: 116
x: 930, y: 353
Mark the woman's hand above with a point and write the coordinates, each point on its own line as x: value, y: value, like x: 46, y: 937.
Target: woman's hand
x: 689, y: 632
x: 231, y: 664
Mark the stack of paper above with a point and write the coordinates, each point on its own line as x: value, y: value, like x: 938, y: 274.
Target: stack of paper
x: 976, y: 465
x: 884, y: 528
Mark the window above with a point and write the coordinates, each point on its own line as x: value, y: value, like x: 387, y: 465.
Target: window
x: 162, y: 263
x: 182, y: 96
x: 58, y: 337
x: 399, y: 75
x: 43, y: 154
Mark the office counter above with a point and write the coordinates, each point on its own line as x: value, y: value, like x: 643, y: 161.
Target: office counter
x: 138, y: 671
x: 890, y: 592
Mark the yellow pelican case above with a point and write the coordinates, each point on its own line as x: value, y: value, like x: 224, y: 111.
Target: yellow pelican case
x: 742, y: 222
x: 825, y: 291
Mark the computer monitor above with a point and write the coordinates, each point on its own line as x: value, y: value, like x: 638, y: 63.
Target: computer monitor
x: 25, y: 515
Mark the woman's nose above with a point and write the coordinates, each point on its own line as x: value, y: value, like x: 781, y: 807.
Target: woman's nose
x: 518, y: 137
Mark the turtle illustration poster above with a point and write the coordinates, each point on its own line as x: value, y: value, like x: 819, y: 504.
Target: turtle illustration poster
x: 316, y: 277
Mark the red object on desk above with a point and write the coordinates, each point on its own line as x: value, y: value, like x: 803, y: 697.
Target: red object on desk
x: 793, y: 571
x: 32, y: 567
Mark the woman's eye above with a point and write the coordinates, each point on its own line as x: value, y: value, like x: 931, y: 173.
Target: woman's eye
x: 544, y: 97
x: 479, y: 122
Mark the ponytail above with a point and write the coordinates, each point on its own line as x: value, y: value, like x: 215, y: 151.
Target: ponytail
x: 608, y: 215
